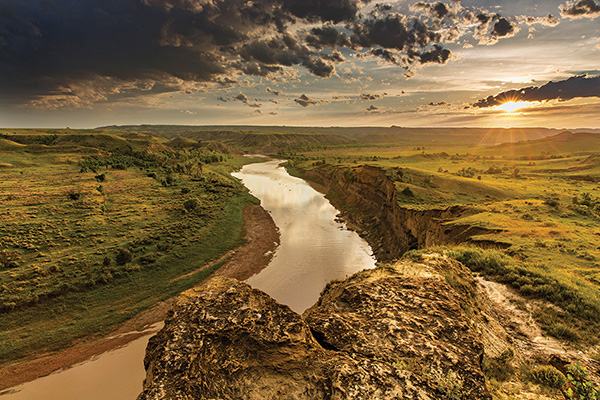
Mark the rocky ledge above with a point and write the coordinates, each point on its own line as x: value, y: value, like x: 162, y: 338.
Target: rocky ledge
x: 395, y: 332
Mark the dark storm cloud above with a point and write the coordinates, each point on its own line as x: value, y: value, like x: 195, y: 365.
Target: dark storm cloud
x: 330, y: 10
x: 437, y: 55
x: 491, y: 27
x: 503, y: 28
x: 580, y: 9
x: 437, y: 9
x: 58, y: 49
x: 46, y: 47
x: 394, y: 31
x: 576, y: 86
x: 79, y: 52
x: 327, y: 36
x: 305, y: 101
x: 285, y: 51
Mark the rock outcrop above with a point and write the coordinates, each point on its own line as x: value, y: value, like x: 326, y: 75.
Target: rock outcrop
x: 368, y: 199
x: 394, y: 332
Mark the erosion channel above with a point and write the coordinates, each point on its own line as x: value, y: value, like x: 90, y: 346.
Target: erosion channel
x: 315, y: 249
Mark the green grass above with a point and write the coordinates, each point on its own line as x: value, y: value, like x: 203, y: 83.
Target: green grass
x: 57, y: 322
x: 523, y: 195
x: 66, y: 213
x: 576, y: 317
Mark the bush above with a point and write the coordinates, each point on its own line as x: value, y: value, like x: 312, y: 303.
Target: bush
x: 499, y: 368
x: 408, y: 192
x: 494, y: 169
x: 552, y: 202
x: 191, y: 204
x: 585, y: 389
x: 74, y: 194
x: 100, y: 177
x: 547, y: 376
x: 123, y: 257
x: 168, y: 181
x: 451, y: 386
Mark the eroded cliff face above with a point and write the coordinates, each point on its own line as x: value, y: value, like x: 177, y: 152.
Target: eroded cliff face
x: 394, y: 332
x: 368, y: 200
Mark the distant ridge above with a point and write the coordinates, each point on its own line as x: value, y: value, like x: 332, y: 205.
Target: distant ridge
x: 362, y: 135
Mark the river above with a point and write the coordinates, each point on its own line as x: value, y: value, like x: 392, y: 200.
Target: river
x: 314, y: 249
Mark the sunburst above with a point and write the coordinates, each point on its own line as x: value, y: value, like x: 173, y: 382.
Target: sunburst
x: 512, y: 106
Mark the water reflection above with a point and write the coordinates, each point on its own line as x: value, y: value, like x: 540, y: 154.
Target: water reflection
x: 314, y: 247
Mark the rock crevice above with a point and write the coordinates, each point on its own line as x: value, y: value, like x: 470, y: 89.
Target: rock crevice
x: 394, y: 332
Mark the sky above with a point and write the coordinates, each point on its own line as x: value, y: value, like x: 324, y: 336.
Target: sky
x: 475, y: 63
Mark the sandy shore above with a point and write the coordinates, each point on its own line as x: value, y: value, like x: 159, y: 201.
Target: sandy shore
x: 262, y: 238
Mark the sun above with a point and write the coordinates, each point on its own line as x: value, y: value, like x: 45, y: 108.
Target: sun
x: 512, y: 106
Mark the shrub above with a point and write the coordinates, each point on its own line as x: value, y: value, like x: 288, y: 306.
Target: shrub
x: 185, y: 190
x: 74, y: 194
x: 408, y: 192
x: 585, y: 389
x: 148, y: 259
x: 451, y: 386
x: 552, y: 202
x: 191, y: 204
x: 100, y: 177
x: 547, y: 376
x: 499, y: 368
x: 494, y: 169
x: 123, y: 257
x: 168, y: 181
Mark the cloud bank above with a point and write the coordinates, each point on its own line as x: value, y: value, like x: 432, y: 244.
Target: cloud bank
x: 576, y: 86
x: 580, y: 9
x: 75, y: 53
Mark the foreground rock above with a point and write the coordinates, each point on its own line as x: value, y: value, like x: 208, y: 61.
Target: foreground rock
x: 396, y: 332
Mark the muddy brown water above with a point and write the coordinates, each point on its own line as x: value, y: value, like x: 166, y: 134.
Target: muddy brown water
x: 314, y: 249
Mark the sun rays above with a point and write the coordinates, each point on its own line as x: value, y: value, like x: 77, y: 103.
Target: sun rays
x: 511, y: 107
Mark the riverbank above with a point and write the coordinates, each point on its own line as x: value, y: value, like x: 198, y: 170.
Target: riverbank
x: 261, y: 239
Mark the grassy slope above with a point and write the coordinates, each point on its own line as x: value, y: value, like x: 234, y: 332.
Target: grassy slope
x: 555, y: 243
x: 65, y: 282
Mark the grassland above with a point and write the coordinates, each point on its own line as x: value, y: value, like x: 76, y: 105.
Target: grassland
x: 539, y: 199
x: 97, y: 226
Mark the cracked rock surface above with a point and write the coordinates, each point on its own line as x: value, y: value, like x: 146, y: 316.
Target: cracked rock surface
x: 394, y: 332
